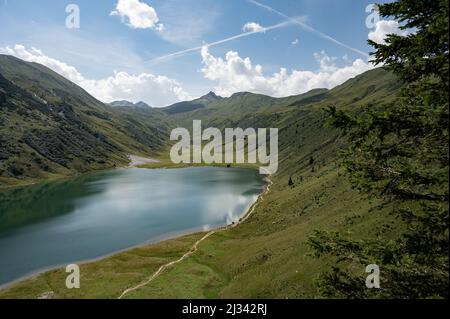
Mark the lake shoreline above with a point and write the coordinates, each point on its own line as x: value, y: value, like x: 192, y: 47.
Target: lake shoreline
x: 168, y: 237
x: 135, y: 161
x: 42, y: 271
x: 157, y: 162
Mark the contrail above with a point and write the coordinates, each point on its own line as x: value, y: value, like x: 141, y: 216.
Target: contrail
x: 234, y: 37
x: 308, y: 27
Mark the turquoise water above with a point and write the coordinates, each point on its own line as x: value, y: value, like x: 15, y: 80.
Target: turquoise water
x: 57, y: 223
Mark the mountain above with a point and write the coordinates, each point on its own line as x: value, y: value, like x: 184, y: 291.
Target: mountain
x: 142, y: 105
x: 52, y: 127
x: 188, y: 106
x: 122, y: 103
x: 125, y: 103
x: 246, y: 108
x: 211, y: 96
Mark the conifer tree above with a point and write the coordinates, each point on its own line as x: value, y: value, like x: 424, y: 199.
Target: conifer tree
x: 400, y: 153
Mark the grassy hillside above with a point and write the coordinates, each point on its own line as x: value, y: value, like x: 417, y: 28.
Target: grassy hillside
x: 267, y: 255
x: 189, y: 106
x: 51, y: 127
x: 374, y: 87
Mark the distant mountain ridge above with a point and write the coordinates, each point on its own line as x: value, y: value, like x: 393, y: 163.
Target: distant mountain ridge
x: 370, y: 88
x: 125, y: 103
x: 188, y: 106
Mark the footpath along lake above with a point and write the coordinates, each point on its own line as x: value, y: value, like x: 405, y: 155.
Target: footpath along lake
x: 90, y: 216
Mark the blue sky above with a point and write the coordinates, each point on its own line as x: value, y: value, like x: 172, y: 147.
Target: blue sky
x: 113, y: 59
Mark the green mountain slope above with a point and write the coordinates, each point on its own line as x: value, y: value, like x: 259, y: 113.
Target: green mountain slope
x: 52, y: 127
x: 374, y: 87
x: 189, y: 106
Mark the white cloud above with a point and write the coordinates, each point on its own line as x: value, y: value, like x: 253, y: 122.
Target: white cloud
x: 383, y: 28
x: 295, y: 42
x: 156, y: 90
x: 234, y: 74
x: 253, y: 27
x: 137, y: 15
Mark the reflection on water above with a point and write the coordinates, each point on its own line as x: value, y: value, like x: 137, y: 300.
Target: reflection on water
x: 93, y: 215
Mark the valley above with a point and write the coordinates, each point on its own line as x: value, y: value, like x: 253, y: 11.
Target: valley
x: 72, y: 133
